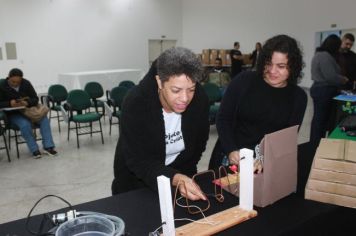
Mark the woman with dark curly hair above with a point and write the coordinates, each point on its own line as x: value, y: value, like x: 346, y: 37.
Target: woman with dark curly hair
x: 261, y: 102
x: 327, y: 77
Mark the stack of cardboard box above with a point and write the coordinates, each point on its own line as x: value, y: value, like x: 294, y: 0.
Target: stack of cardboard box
x: 332, y: 178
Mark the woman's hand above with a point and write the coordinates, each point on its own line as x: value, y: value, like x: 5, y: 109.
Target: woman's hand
x: 188, y: 188
x: 345, y: 80
x: 234, y: 157
x: 15, y: 103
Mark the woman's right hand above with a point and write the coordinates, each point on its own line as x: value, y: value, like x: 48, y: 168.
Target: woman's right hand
x: 188, y: 188
x: 345, y: 80
x: 234, y: 157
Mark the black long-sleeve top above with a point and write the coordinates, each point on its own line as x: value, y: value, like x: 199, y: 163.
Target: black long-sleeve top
x: 251, y: 108
x: 25, y: 90
x: 141, y: 150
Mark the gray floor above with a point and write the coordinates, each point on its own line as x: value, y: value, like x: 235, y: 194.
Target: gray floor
x: 78, y: 175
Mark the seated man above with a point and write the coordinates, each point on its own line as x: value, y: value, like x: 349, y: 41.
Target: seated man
x: 164, y: 126
x: 16, y: 91
x: 219, y: 76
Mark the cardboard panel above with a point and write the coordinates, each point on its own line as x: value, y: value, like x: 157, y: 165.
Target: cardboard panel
x: 332, y: 176
x: 279, y: 176
x: 337, y: 166
x: 330, y: 198
x: 334, y: 188
x: 350, y: 151
x: 331, y: 149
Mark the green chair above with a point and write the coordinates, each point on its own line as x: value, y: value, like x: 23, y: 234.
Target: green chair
x: 78, y: 102
x: 57, y: 94
x: 127, y: 84
x: 2, y: 133
x: 14, y: 132
x: 2, y: 81
x: 117, y: 96
x: 95, y: 91
x: 214, y: 95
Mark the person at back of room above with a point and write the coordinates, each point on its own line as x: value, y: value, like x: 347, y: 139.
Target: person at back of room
x: 219, y: 76
x: 255, y: 54
x: 260, y: 102
x: 236, y: 60
x: 327, y: 79
x: 164, y: 127
x: 17, y: 91
x: 348, y: 61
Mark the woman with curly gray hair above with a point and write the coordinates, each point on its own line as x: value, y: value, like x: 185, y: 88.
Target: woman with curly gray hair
x: 164, y: 126
x: 261, y: 102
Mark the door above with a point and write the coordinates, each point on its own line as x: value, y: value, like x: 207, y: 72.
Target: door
x: 157, y: 46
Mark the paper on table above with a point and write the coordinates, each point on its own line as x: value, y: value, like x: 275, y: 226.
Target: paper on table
x: 12, y: 108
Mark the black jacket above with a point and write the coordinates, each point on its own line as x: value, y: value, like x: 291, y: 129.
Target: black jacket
x: 26, y: 90
x: 140, y: 152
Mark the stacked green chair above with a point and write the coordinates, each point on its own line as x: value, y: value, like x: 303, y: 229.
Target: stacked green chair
x: 127, y: 84
x: 117, y: 96
x: 78, y: 102
x: 95, y: 91
x: 214, y: 95
x: 57, y: 94
x: 2, y: 133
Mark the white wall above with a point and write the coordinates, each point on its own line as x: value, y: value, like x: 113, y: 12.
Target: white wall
x: 217, y: 24
x: 57, y: 36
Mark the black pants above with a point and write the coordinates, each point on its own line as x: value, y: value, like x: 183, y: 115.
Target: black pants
x: 323, y: 108
x: 216, y: 156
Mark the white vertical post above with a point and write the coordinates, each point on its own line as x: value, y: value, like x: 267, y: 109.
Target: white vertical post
x: 246, y: 179
x: 165, y: 203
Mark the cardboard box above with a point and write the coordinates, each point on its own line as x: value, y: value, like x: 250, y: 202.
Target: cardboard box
x: 213, y: 56
x: 222, y: 54
x: 246, y: 59
x: 206, y: 56
x: 279, y: 176
x: 332, y: 178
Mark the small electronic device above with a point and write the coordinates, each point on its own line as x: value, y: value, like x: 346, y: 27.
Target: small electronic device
x: 351, y: 133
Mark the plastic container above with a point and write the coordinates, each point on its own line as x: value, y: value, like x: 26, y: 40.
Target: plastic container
x: 92, y: 225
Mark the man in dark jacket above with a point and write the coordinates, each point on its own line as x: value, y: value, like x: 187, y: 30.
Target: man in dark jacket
x: 164, y: 126
x: 348, y: 60
x: 17, y: 92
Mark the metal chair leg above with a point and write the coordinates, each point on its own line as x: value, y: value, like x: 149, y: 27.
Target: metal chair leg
x: 76, y: 130
x: 7, y: 149
x: 68, y: 130
x: 17, y: 145
x: 91, y: 129
x: 110, y: 122
x: 101, y: 131
x: 58, y: 120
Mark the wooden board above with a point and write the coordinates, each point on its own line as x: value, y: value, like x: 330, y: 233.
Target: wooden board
x: 223, y: 220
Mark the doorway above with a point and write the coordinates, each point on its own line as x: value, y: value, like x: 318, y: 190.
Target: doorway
x: 157, y: 46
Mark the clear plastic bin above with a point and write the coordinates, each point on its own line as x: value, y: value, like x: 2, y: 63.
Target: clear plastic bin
x: 91, y: 225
